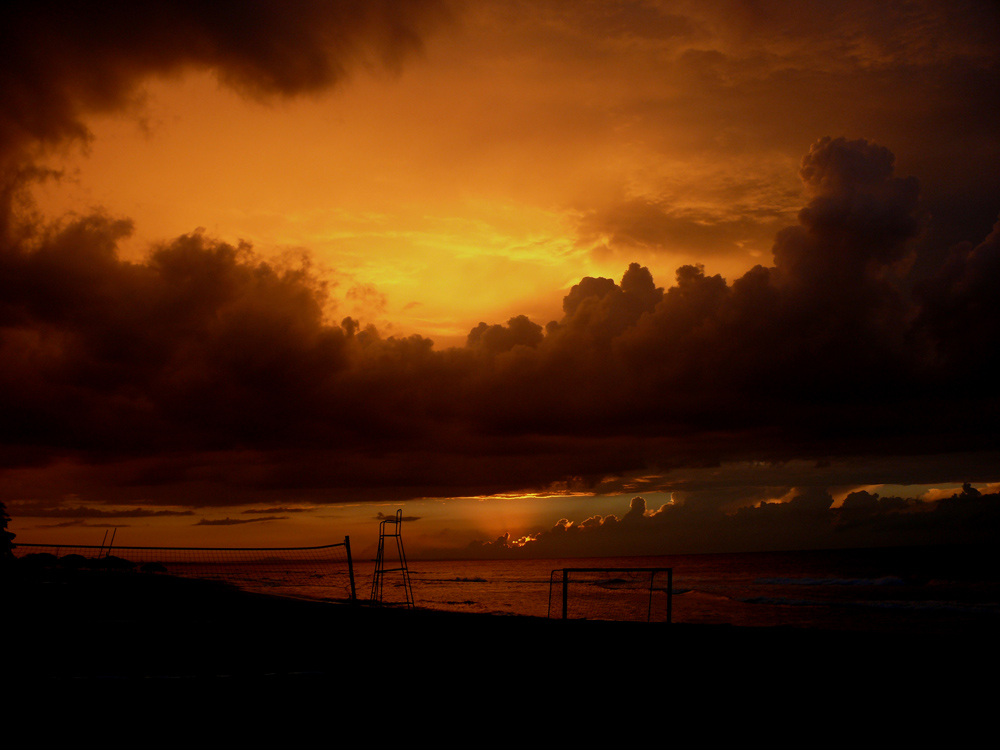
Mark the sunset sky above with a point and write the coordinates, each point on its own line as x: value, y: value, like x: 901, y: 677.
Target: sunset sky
x: 269, y: 269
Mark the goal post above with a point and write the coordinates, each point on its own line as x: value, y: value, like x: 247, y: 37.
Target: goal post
x: 632, y: 594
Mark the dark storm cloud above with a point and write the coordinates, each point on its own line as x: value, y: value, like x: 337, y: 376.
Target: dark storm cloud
x: 807, y: 520
x: 237, y: 521
x: 45, y: 510
x: 840, y: 348
x: 263, y: 511
x: 495, y: 339
x: 206, y: 366
x: 61, y: 58
x: 827, y: 326
x: 960, y: 312
x: 643, y: 224
x: 103, y: 353
x: 106, y: 334
x: 80, y: 523
x: 745, y: 81
x: 384, y: 517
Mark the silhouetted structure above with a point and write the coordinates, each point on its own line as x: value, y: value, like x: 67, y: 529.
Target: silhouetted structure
x: 380, y: 570
x: 6, y: 540
x: 637, y: 594
x: 325, y: 572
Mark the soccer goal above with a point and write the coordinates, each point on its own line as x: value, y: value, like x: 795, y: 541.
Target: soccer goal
x: 324, y: 572
x: 635, y: 594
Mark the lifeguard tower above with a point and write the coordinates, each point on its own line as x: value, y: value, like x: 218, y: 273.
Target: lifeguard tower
x: 391, y: 527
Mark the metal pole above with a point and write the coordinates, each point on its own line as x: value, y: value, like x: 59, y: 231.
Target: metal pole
x: 649, y: 604
x: 565, y: 591
x: 350, y: 568
x: 670, y: 592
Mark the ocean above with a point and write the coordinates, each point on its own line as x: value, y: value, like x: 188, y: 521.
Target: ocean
x: 934, y: 590
x: 927, y: 589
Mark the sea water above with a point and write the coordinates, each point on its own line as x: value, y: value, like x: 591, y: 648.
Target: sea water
x: 928, y: 589
x: 941, y: 589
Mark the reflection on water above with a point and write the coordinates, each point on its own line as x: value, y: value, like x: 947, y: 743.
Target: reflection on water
x: 919, y: 590
x: 938, y: 589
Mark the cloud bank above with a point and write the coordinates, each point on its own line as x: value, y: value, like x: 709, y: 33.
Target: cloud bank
x: 205, y: 355
x: 206, y: 365
x: 807, y: 520
x: 62, y: 59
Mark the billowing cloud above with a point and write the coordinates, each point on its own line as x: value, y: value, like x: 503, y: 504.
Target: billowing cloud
x: 806, y: 520
x: 208, y: 363
x: 826, y: 347
x: 646, y: 226
x: 205, y: 351
x: 496, y: 339
x: 62, y: 59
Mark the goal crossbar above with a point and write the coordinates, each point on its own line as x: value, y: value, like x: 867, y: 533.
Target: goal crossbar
x: 637, y: 594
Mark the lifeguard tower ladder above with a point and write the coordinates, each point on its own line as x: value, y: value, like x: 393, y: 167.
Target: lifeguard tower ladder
x: 396, y: 524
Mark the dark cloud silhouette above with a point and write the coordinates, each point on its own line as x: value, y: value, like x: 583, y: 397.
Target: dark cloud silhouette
x: 807, y: 520
x: 272, y: 511
x: 41, y: 510
x: 80, y: 523
x: 383, y: 517
x: 496, y: 339
x: 62, y: 58
x: 202, y: 330
x: 206, y: 364
x: 237, y: 521
x: 641, y: 224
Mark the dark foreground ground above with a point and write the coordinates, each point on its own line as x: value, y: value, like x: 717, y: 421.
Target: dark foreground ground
x: 76, y: 633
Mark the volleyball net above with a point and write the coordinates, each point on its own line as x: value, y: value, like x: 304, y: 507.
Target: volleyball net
x: 633, y: 594
x: 325, y: 572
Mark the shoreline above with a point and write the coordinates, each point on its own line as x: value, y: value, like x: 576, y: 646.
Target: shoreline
x: 94, y: 625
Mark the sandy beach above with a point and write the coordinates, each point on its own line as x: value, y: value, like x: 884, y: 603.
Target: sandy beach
x: 86, y: 625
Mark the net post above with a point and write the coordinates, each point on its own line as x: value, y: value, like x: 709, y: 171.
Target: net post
x: 350, y: 568
x: 670, y: 593
x: 649, y: 603
x: 552, y: 578
x: 565, y: 592
x: 613, y: 593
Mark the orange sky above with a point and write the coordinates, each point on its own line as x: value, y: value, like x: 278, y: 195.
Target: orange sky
x: 477, y: 174
x: 526, y: 147
x: 491, y: 162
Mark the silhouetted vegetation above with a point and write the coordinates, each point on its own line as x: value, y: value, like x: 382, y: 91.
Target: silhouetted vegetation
x: 6, y: 541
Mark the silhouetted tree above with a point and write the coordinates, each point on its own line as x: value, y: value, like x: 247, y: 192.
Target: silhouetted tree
x: 6, y: 540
